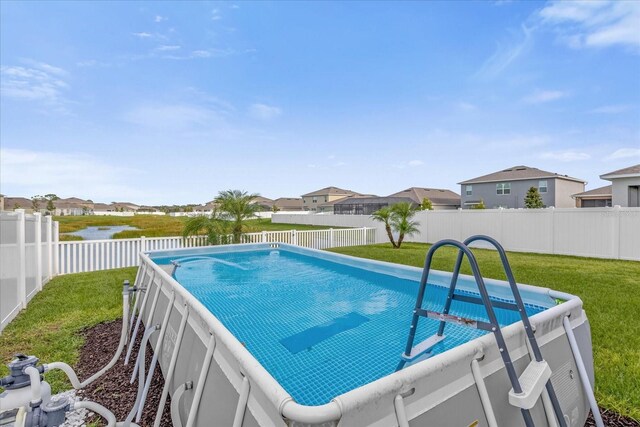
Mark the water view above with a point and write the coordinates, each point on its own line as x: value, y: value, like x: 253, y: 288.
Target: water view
x: 100, y: 233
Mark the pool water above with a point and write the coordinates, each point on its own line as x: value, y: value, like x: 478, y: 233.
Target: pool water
x: 320, y: 328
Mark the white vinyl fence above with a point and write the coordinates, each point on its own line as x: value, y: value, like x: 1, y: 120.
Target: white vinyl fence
x: 93, y: 255
x: 27, y: 259
x: 591, y: 232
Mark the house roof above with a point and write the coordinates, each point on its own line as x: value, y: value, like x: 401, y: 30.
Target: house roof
x: 351, y: 197
x: 101, y: 207
x: 518, y: 173
x: 596, y: 192
x: 437, y: 196
x: 373, y: 200
x: 623, y: 173
x: 263, y: 201
x: 291, y: 203
x: 21, y: 202
x: 329, y: 191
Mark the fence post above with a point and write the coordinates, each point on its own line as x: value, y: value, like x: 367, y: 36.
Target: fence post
x: 294, y: 237
x: 56, y: 248
x: 143, y: 245
x: 616, y: 232
x: 331, y: 238
x: 22, y: 267
x: 264, y: 236
x: 49, y: 222
x: 38, y: 240
x: 364, y: 236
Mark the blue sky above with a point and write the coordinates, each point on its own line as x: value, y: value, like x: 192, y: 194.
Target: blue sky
x: 160, y: 102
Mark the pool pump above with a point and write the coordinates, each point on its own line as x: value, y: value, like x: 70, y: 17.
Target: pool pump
x: 26, y: 400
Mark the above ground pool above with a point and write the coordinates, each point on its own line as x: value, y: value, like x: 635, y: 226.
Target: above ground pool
x: 279, y: 335
x: 319, y: 327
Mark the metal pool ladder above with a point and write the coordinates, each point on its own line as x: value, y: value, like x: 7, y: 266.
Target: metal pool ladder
x: 526, y: 389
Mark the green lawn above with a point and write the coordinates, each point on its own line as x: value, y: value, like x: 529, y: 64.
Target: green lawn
x: 609, y: 289
x: 157, y: 225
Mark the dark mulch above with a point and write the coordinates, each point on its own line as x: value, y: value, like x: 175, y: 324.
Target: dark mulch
x: 612, y: 419
x: 113, y: 390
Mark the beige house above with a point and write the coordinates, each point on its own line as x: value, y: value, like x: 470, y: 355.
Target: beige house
x: 288, y: 204
x: 596, y: 198
x: 625, y: 186
x: 313, y: 201
x: 440, y: 198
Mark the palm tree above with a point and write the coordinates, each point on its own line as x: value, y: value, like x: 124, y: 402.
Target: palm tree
x: 213, y: 226
x: 238, y: 206
x: 401, y: 221
x: 384, y: 215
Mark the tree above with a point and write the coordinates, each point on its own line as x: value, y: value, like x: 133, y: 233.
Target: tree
x: 35, y: 202
x: 213, y: 226
x: 384, y: 216
x: 239, y: 206
x: 426, y: 205
x: 402, y: 221
x: 50, y: 198
x: 274, y: 209
x: 479, y: 205
x: 533, y: 199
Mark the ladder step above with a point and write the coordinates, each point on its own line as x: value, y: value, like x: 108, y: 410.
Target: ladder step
x: 532, y: 382
x: 423, y: 347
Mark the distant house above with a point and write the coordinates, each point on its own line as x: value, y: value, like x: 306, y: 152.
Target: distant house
x: 596, y: 198
x: 507, y: 188
x: 288, y: 204
x: 625, y: 187
x: 366, y: 205
x: 440, y: 198
x: 125, y: 206
x: 72, y: 206
x: 312, y: 201
x: 265, y: 203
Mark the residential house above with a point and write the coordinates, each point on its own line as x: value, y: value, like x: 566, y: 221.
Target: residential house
x: 265, y: 203
x: 312, y: 201
x: 288, y: 204
x: 366, y: 205
x: 1, y: 202
x: 625, y: 185
x: 441, y: 199
x: 596, y: 198
x: 125, y: 206
x: 507, y: 188
x: 11, y: 203
x: 71, y: 206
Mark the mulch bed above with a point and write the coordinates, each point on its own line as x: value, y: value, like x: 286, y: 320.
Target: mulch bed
x: 612, y: 419
x: 113, y: 390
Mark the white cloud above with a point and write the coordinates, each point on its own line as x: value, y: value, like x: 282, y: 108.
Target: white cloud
x: 542, y: 96
x: 172, y: 117
x: 624, y: 153
x: 595, y: 23
x: 44, y: 84
x: 143, y: 35
x: 414, y: 163
x: 167, y: 48
x: 200, y: 54
x: 612, y: 109
x: 565, y: 156
x: 505, y: 55
x: 215, y: 15
x: 159, y: 18
x: 466, y: 106
x: 27, y: 172
x: 264, y: 111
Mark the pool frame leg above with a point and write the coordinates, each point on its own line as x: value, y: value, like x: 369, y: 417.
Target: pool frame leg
x: 211, y: 346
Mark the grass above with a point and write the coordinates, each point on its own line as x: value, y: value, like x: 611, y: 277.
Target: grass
x: 609, y: 289
x: 157, y: 225
x: 50, y: 326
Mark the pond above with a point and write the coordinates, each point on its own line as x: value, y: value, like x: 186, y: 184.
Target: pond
x: 102, y: 232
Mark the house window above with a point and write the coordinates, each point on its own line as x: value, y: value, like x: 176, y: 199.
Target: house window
x: 469, y: 190
x: 314, y: 200
x: 503, y: 188
x: 326, y: 199
x: 542, y: 186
